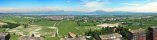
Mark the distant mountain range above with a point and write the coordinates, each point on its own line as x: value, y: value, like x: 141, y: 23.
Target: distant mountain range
x: 61, y: 12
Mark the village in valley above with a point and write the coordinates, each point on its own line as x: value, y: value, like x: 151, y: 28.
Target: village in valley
x: 78, y: 27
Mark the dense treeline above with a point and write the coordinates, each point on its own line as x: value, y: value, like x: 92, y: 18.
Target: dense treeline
x: 94, y: 34
x: 127, y: 35
x: 10, y: 25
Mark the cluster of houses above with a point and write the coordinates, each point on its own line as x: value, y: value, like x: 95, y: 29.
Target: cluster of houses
x: 59, y: 17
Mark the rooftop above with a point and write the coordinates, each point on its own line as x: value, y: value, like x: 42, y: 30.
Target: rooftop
x: 3, y: 34
x: 30, y: 38
x: 73, y: 35
x: 137, y: 30
x: 78, y: 38
x: 111, y: 36
x: 109, y: 25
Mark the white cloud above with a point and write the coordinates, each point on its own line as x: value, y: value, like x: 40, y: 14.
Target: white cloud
x: 149, y: 7
x: 131, y: 4
x: 94, y: 4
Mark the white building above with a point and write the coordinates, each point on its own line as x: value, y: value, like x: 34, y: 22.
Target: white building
x: 109, y: 25
x: 114, y: 36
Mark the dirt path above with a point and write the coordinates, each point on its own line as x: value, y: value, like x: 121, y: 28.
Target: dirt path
x: 54, y: 24
x: 57, y: 23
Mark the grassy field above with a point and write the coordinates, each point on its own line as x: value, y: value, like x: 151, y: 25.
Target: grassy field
x: 67, y: 26
x: 42, y: 23
x: 64, y: 26
x: 141, y: 23
x: 28, y: 20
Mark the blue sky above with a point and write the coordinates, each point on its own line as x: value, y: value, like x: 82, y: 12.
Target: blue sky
x: 80, y: 5
x: 59, y: 3
x: 38, y: 3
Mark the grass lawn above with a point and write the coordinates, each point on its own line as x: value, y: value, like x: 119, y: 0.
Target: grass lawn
x: 14, y: 37
x: 51, y: 38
